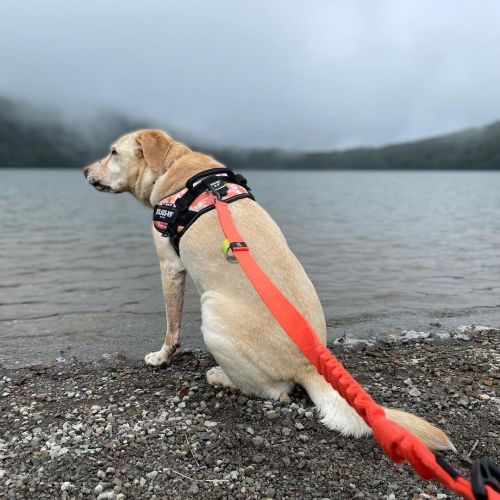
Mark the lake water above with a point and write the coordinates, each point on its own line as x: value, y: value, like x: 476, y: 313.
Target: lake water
x: 386, y: 250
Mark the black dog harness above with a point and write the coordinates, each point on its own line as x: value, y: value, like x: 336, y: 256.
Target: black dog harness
x: 175, y: 213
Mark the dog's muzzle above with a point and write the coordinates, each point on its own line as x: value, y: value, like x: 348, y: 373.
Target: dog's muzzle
x: 94, y: 182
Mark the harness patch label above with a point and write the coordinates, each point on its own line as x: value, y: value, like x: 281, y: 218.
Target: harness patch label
x: 165, y: 213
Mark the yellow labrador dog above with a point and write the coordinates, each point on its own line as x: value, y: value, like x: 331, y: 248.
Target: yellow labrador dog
x: 252, y: 351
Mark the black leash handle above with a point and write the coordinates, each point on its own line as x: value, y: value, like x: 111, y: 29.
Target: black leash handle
x: 484, y: 472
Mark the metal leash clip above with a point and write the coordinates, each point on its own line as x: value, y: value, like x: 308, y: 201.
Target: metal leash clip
x: 231, y: 246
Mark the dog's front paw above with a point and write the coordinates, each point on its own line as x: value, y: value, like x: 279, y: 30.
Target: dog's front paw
x: 162, y: 357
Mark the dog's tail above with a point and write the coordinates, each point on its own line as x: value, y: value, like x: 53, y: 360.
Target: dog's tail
x: 337, y: 415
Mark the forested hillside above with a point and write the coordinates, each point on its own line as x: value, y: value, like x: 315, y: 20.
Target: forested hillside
x: 33, y: 138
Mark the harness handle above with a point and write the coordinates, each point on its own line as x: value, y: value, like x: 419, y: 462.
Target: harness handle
x: 205, y: 173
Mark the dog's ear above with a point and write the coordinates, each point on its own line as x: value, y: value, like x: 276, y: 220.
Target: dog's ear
x: 155, y: 146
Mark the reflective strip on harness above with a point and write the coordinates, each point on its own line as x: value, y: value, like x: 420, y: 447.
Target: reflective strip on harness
x: 397, y: 442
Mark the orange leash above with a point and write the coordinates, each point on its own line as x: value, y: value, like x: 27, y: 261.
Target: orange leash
x: 398, y: 443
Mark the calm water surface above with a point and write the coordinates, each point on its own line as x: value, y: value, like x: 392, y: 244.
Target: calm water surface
x: 386, y: 251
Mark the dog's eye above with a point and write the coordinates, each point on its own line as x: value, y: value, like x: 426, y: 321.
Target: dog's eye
x: 114, y: 151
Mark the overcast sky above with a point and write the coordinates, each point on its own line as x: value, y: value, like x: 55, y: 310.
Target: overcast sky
x: 293, y: 74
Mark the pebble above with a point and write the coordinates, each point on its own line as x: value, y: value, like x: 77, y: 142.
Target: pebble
x: 258, y: 441
x: 193, y: 489
x: 414, y: 392
x: 152, y: 475
x: 66, y: 486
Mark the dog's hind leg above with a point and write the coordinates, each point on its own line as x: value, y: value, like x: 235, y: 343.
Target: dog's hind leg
x: 238, y: 350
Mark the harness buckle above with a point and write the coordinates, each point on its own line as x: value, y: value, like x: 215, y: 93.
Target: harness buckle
x: 484, y: 472
x: 216, y: 185
x: 233, y: 246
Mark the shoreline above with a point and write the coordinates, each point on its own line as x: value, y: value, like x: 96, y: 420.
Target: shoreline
x: 115, y: 428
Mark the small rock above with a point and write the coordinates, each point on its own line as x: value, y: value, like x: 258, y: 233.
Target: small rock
x: 415, y: 392
x: 107, y: 495
x: 120, y: 356
x: 66, y: 486
x: 250, y: 470
x: 258, y: 441
x: 152, y: 475
x: 193, y: 489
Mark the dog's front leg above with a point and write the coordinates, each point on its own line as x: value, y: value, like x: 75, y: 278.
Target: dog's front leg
x: 173, y: 277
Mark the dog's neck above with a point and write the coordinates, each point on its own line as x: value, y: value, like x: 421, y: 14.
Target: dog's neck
x: 179, y: 172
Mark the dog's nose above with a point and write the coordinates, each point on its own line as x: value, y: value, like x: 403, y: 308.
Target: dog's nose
x: 86, y: 171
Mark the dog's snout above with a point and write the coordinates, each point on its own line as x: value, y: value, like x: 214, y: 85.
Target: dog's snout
x: 86, y: 171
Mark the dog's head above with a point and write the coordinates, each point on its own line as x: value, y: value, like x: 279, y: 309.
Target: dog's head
x: 134, y: 162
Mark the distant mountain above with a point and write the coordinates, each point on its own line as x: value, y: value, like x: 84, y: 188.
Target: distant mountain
x: 475, y: 148
x: 33, y: 138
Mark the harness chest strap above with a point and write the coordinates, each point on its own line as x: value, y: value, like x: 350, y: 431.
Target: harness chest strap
x: 398, y: 443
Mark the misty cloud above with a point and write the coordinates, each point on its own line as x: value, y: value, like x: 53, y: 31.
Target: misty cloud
x: 292, y: 74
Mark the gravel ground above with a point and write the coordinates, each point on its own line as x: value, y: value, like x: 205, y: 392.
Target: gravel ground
x: 117, y: 429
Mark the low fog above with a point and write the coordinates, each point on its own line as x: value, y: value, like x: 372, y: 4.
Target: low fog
x: 298, y: 75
